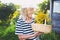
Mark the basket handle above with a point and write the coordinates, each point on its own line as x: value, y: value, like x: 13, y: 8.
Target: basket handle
x: 45, y: 22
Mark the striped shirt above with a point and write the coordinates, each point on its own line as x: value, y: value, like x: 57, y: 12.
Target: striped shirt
x: 25, y: 28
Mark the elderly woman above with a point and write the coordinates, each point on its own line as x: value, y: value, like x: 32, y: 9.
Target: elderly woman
x: 23, y: 27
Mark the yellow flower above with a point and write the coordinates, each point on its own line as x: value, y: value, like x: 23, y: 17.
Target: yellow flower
x: 15, y: 14
x: 40, y: 17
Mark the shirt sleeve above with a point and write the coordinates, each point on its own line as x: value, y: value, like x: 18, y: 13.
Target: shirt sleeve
x: 19, y: 29
x: 33, y: 20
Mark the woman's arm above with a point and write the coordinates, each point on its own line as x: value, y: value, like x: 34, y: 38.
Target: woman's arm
x: 29, y: 36
x: 37, y: 34
x: 20, y: 38
x: 25, y: 36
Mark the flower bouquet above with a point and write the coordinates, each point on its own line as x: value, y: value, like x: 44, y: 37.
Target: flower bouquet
x: 39, y: 26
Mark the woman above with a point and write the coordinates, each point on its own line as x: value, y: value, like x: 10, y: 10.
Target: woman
x: 24, y: 29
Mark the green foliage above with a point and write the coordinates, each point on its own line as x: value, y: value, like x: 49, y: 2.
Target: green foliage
x: 9, y: 36
x: 44, y: 6
x: 8, y: 33
x: 7, y: 22
x: 11, y: 29
x: 51, y: 36
x: 6, y: 11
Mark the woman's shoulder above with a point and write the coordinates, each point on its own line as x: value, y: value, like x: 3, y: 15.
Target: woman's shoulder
x: 19, y: 20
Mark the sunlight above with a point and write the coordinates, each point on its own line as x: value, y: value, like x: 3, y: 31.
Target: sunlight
x: 23, y: 3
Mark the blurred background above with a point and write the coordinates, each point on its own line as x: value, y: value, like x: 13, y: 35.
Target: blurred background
x: 10, y: 11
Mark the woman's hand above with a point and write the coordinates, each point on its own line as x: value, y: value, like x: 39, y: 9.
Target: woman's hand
x: 22, y: 36
x: 37, y: 34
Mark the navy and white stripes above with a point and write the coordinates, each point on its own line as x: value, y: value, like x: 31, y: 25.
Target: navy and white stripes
x: 24, y: 28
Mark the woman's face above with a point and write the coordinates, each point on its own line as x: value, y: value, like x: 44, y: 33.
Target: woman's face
x: 30, y: 12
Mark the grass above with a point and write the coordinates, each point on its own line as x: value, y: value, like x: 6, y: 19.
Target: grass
x: 8, y: 33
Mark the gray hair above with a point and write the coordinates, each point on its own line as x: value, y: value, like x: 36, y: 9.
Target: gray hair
x: 22, y: 14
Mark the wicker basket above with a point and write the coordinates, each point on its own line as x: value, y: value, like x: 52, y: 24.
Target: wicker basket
x: 42, y: 28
